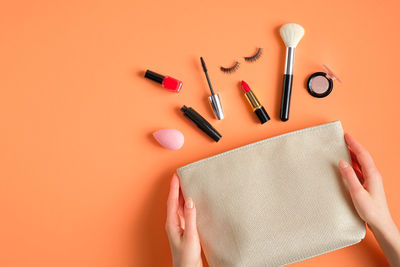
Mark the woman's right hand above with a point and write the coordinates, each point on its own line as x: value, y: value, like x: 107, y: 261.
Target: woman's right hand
x: 369, y: 199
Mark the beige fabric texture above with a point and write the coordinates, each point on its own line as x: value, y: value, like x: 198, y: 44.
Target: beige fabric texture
x: 274, y: 202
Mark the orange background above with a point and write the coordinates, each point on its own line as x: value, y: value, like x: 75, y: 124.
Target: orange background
x: 83, y: 183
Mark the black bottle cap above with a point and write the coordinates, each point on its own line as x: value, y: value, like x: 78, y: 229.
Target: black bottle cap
x: 154, y: 76
x: 262, y: 115
x: 184, y: 108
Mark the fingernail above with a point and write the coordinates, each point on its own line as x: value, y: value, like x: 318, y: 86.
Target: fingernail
x: 189, y: 203
x: 343, y: 164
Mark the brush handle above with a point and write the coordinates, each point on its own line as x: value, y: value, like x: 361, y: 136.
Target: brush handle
x: 286, y: 93
x: 289, y: 60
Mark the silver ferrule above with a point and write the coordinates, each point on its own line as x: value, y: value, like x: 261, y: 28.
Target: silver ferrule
x: 216, y: 106
x: 289, y: 60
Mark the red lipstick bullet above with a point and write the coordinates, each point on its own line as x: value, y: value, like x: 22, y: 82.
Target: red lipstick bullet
x: 166, y: 82
x: 255, y: 104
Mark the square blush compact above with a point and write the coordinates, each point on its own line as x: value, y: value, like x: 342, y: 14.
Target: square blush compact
x: 320, y: 84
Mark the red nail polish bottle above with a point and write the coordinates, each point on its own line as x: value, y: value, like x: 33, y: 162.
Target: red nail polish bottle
x: 167, y: 82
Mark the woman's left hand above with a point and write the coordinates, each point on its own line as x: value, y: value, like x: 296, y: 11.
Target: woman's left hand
x: 182, y: 229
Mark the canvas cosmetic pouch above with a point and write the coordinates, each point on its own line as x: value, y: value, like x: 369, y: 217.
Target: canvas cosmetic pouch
x: 274, y: 202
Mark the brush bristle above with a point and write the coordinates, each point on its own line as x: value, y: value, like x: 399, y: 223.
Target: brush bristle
x: 291, y: 34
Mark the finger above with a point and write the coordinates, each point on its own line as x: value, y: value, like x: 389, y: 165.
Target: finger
x: 363, y: 157
x: 190, y: 220
x: 350, y: 178
x: 172, y: 224
x: 356, y: 166
x: 181, y: 208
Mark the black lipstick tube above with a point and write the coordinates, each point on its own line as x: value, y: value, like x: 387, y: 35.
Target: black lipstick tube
x: 201, y: 123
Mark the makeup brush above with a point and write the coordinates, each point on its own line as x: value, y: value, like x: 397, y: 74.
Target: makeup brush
x: 291, y: 34
x: 213, y: 98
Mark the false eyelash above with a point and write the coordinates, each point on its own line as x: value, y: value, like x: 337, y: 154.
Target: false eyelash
x: 254, y: 57
x: 231, y: 69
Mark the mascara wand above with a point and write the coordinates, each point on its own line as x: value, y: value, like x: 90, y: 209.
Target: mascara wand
x: 213, y: 98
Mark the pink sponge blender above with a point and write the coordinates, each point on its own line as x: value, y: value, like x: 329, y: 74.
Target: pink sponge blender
x: 169, y: 138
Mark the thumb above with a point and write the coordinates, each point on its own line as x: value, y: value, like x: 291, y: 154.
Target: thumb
x: 190, y: 220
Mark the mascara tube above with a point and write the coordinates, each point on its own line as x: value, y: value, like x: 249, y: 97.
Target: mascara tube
x: 201, y: 123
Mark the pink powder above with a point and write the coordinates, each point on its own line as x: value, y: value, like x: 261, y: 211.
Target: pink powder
x: 319, y: 84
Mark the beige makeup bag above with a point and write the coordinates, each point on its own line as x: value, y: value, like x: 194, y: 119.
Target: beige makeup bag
x: 274, y: 202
